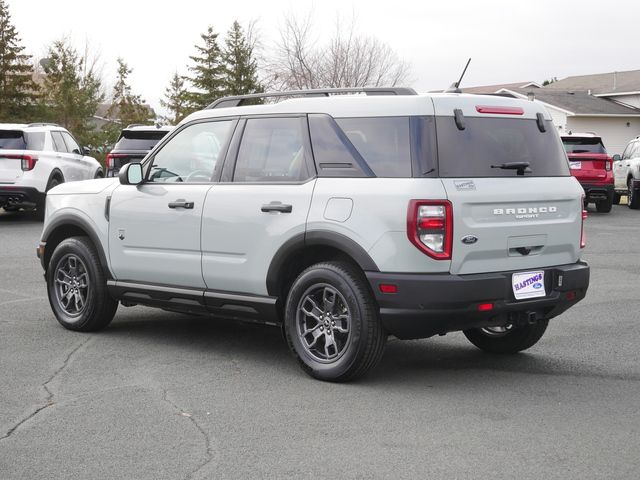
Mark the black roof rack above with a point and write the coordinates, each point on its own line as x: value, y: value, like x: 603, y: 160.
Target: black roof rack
x: 43, y: 124
x: 237, y: 101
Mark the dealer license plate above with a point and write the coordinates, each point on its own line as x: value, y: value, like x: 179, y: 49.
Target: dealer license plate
x: 528, y: 284
x: 575, y: 165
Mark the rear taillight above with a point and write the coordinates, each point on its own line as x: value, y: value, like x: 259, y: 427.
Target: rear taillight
x: 430, y: 227
x: 109, y: 161
x: 607, y: 164
x: 583, y: 237
x: 27, y: 162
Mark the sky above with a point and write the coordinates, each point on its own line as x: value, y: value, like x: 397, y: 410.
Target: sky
x: 508, y: 41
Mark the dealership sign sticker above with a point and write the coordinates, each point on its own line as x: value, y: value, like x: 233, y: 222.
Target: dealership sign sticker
x: 528, y: 285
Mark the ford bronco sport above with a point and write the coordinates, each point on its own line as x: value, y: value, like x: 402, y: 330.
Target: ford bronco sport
x: 342, y: 219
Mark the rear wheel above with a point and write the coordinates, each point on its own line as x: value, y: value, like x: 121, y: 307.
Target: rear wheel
x: 332, y: 324
x: 77, y: 287
x: 507, y: 339
x: 604, y: 206
x: 633, y: 199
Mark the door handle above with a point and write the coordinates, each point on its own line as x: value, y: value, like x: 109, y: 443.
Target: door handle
x: 276, y: 207
x: 181, y: 204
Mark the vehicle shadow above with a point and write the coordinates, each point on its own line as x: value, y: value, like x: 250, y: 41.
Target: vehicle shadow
x: 8, y: 218
x: 404, y: 362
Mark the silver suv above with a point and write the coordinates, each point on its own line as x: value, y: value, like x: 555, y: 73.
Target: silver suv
x: 341, y: 219
x: 35, y: 158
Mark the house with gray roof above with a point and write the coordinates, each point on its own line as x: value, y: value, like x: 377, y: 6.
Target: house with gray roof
x: 605, y: 104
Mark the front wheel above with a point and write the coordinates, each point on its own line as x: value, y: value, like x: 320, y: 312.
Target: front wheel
x: 77, y: 287
x: 332, y: 324
x: 507, y: 339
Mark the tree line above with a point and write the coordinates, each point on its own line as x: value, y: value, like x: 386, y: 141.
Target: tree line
x: 67, y: 86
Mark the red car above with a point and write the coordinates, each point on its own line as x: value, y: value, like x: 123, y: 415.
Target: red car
x: 590, y: 164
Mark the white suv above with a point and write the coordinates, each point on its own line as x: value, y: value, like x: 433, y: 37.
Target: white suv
x: 340, y: 219
x: 35, y: 158
x: 626, y: 174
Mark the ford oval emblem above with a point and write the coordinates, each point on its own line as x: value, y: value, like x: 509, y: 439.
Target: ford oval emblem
x: 469, y: 239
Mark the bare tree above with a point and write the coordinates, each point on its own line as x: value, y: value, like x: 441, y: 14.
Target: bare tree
x: 348, y: 59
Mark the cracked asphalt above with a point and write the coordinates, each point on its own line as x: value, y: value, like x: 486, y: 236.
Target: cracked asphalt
x: 159, y: 395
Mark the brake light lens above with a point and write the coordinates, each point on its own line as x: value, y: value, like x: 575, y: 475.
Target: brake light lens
x: 430, y: 227
x: 109, y: 161
x: 607, y: 164
x: 583, y: 237
x: 499, y: 110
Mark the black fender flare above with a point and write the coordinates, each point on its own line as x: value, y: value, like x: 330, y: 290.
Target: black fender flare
x: 78, y: 222
x: 320, y: 238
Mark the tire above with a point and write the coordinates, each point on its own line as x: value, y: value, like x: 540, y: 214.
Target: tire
x: 604, y: 206
x: 99, y: 174
x: 75, y: 266
x: 512, y: 340
x: 344, y: 335
x: 633, y: 199
x: 616, y: 198
x: 40, y: 205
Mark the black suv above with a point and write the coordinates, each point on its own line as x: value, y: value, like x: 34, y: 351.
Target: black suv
x: 134, y: 143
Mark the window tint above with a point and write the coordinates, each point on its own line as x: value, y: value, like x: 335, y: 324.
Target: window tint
x: 72, y: 145
x: 493, y: 141
x: 271, y: 150
x: 35, y: 140
x: 383, y: 142
x: 58, y: 142
x: 139, y: 140
x: 583, y: 145
x: 635, y: 150
x: 12, y: 140
x: 627, y: 151
x: 192, y: 154
x: 334, y: 154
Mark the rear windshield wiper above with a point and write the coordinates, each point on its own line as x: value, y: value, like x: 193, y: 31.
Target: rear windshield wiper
x: 521, y: 167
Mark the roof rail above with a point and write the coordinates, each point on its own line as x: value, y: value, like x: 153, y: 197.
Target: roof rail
x: 131, y: 125
x: 236, y: 101
x: 43, y: 124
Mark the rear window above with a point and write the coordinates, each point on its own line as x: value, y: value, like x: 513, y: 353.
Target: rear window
x: 383, y: 142
x: 583, y: 145
x: 19, y: 140
x: 139, y: 140
x: 493, y: 141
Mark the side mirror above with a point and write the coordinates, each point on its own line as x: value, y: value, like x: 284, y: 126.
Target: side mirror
x: 86, y: 151
x: 131, y: 174
x: 617, y: 158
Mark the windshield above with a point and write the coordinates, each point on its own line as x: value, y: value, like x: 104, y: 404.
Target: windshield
x: 583, y: 145
x: 139, y: 140
x: 497, y: 141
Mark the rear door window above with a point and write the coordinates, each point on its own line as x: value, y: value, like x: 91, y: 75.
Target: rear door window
x: 494, y: 141
x: 272, y: 150
x: 383, y: 142
x: 583, y: 145
x: 72, y: 145
x: 58, y: 142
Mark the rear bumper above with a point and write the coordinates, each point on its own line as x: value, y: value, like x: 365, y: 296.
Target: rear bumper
x: 597, y: 191
x: 431, y: 304
x: 18, y: 195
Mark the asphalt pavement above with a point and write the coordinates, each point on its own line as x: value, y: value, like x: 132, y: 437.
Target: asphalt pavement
x: 159, y: 395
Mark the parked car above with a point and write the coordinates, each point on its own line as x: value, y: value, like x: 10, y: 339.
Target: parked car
x: 133, y: 144
x: 626, y: 172
x: 592, y: 166
x: 35, y: 158
x: 339, y: 219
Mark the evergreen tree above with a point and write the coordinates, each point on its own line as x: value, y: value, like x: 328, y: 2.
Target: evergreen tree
x: 18, y: 91
x: 73, y: 89
x: 241, y: 68
x: 176, y: 102
x: 208, y: 72
x: 126, y: 108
